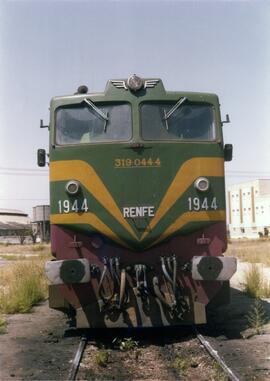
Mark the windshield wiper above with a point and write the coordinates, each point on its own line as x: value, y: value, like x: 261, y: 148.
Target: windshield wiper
x: 98, y: 111
x: 172, y: 110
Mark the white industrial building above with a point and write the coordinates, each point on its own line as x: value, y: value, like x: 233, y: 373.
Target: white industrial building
x: 248, y: 207
x: 41, y: 221
x: 12, y: 223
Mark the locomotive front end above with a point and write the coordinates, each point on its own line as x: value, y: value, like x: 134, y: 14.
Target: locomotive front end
x: 138, y: 222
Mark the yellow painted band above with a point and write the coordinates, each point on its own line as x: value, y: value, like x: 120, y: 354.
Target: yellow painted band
x: 188, y: 217
x: 186, y: 175
x: 87, y: 176
x: 88, y: 219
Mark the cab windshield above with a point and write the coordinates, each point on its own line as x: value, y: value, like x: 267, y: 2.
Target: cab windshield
x: 178, y: 121
x: 92, y: 123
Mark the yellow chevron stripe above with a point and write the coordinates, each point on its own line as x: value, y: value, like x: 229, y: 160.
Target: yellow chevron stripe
x: 185, y: 176
x: 85, y: 173
x: 187, y: 217
x: 88, y: 219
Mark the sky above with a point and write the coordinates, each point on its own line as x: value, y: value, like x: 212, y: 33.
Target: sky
x: 49, y: 48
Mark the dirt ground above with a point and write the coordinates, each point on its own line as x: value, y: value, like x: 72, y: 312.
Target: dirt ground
x: 246, y: 353
x: 168, y: 357
x: 35, y: 348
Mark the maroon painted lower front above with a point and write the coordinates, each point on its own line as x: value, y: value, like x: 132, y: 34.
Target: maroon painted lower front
x: 210, y: 241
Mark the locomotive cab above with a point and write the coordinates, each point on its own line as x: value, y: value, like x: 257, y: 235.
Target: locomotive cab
x: 137, y: 194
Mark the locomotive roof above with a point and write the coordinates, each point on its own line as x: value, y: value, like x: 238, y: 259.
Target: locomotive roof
x: 151, y: 88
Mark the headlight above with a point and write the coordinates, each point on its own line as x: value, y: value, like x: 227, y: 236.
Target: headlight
x: 134, y: 82
x: 72, y: 187
x: 202, y: 184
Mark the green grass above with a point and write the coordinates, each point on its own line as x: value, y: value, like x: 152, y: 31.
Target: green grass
x: 252, y: 251
x: 255, y: 283
x: 3, y: 324
x: 218, y: 373
x: 25, y: 249
x: 13, y: 257
x: 22, y: 285
x: 257, y: 317
x: 102, y: 357
x: 21, y: 257
x: 39, y: 247
x: 182, y: 364
x: 128, y: 344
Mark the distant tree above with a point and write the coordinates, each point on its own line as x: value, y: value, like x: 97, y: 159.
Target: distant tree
x: 33, y: 235
x: 22, y: 234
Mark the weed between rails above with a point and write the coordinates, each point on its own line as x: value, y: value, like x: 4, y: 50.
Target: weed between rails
x: 128, y: 344
x: 22, y: 285
x: 182, y: 364
x: 185, y: 361
x: 102, y: 357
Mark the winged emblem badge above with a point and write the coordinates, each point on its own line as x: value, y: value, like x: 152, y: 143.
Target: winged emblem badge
x: 135, y: 83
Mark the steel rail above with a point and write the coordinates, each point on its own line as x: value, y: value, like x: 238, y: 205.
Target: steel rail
x: 77, y: 359
x: 216, y: 357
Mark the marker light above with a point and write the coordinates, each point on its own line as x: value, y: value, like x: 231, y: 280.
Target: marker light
x: 202, y: 184
x: 72, y: 187
x: 134, y: 82
x: 83, y: 89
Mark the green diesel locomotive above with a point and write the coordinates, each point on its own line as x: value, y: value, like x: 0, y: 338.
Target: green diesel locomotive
x: 137, y: 195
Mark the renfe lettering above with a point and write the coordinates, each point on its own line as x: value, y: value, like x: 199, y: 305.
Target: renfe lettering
x: 138, y: 211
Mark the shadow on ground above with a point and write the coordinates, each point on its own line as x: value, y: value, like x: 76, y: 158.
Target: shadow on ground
x: 231, y: 320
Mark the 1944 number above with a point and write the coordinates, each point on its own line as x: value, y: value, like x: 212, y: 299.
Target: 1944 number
x: 195, y: 203
x: 66, y: 206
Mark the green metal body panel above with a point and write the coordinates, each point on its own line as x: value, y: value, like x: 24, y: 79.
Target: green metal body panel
x: 137, y: 185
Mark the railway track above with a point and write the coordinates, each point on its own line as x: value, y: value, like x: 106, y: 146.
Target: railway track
x: 77, y: 359
x: 213, y: 353
x: 75, y: 364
